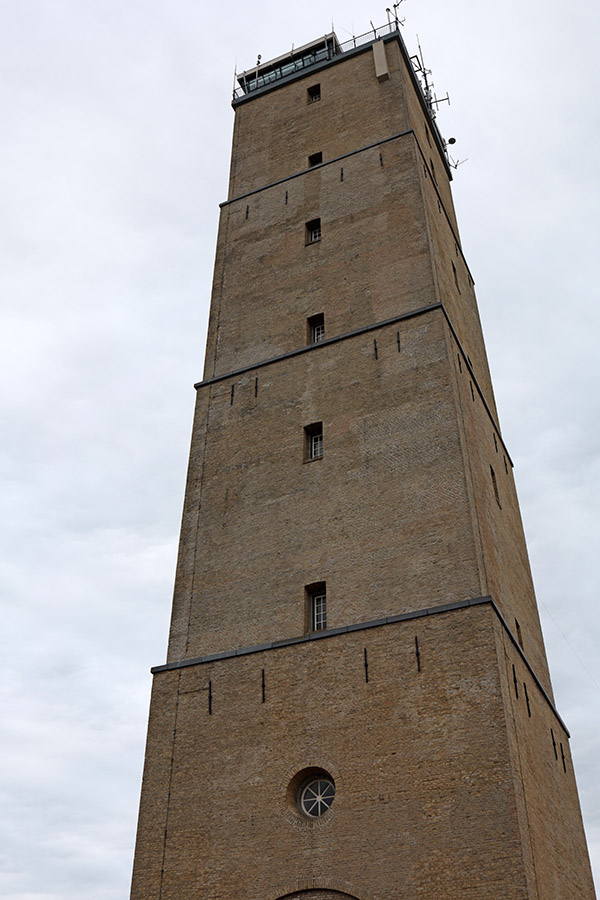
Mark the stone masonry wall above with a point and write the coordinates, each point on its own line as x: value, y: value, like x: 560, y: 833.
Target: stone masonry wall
x: 452, y: 769
x: 383, y: 517
x: 425, y: 798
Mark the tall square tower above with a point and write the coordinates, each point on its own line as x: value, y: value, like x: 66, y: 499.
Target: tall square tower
x: 356, y: 699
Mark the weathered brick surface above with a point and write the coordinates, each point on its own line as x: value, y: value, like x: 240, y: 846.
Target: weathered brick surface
x: 425, y: 795
x: 275, y: 133
x: 373, y: 262
x: 554, y: 846
x: 448, y: 781
x: 384, y: 517
x: 497, y: 525
x: 458, y: 296
x: 443, y: 780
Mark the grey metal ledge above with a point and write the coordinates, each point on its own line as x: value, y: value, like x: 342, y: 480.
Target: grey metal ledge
x: 322, y: 165
x: 312, y: 347
x: 365, y: 329
x: 362, y: 626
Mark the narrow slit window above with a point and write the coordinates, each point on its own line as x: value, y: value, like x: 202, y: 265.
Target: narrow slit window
x: 455, y: 273
x: 495, y: 485
x: 314, y: 93
x: 519, y: 635
x: 313, y: 231
x: 316, y: 595
x: 313, y: 441
x: 316, y: 329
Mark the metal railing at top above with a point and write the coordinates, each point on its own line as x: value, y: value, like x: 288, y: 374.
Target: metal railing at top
x: 255, y: 79
x: 373, y: 35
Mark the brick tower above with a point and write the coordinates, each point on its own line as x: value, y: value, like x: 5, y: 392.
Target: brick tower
x: 356, y: 700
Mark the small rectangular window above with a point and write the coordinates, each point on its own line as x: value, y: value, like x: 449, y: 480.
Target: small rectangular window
x: 314, y: 93
x: 316, y: 329
x: 313, y: 441
x: 315, y: 159
x: 313, y: 231
x: 317, y: 606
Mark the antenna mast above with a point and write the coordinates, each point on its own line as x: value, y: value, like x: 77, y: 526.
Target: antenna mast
x: 397, y: 22
x: 431, y: 98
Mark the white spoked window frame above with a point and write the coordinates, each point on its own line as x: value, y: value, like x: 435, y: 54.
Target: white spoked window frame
x: 316, y: 328
x: 313, y: 231
x: 313, y: 441
x: 317, y: 606
x: 316, y: 797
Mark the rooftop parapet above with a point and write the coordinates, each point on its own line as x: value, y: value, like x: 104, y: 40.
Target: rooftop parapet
x: 298, y: 60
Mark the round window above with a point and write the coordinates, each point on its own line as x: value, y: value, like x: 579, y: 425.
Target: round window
x: 316, y: 796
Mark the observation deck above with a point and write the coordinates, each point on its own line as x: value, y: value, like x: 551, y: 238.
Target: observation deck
x: 314, y: 55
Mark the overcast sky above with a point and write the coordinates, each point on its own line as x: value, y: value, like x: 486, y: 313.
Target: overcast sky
x: 114, y: 153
